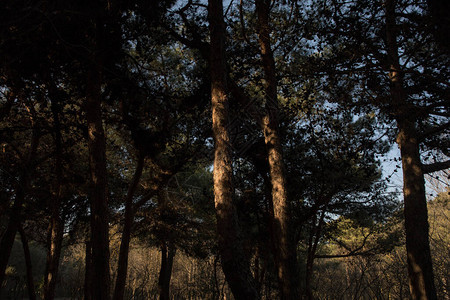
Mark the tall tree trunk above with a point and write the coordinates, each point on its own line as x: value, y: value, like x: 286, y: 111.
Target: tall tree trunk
x: 88, y: 276
x: 54, y: 245
x: 420, y: 271
x: 438, y: 10
x: 98, y: 189
x: 309, y: 270
x: 122, y: 265
x: 167, y: 254
x: 285, y: 250
x: 315, y: 233
x: 9, y: 235
x: 56, y: 225
x: 29, y: 267
x: 236, y: 265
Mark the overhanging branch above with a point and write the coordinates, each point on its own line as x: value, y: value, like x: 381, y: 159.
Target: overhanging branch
x: 434, y: 130
x: 352, y: 253
x: 435, y: 167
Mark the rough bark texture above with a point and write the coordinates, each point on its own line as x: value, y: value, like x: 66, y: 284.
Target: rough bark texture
x: 29, y: 267
x: 235, y: 264
x: 98, y: 189
x: 167, y: 254
x: 420, y: 271
x: 122, y: 265
x: 285, y: 252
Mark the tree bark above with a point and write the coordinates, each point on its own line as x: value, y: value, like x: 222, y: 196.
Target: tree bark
x: 9, y: 235
x: 56, y: 225
x: 96, y: 141
x: 122, y: 265
x: 98, y: 189
x: 236, y: 265
x: 420, y: 271
x: 315, y: 233
x: 283, y: 239
x: 167, y: 254
x: 88, y: 276
x: 54, y: 245
x: 29, y: 267
x: 438, y: 10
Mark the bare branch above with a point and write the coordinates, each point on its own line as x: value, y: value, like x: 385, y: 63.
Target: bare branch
x: 435, y: 167
x: 352, y: 253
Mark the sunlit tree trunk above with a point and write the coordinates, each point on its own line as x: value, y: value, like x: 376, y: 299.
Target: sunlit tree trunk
x: 420, y: 271
x: 285, y: 250
x: 236, y: 265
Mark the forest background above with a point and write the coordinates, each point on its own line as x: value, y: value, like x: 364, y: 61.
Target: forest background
x: 196, y: 150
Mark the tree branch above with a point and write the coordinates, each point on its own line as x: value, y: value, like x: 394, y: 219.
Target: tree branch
x: 434, y: 167
x: 434, y: 130
x: 351, y: 253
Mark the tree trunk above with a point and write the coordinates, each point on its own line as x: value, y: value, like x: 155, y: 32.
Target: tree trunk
x: 315, y: 233
x: 56, y: 225
x: 285, y: 250
x: 88, y: 276
x: 236, y: 265
x: 438, y: 10
x: 29, y: 267
x: 310, y: 263
x: 167, y: 254
x: 420, y: 271
x: 54, y: 245
x: 308, y: 276
x: 122, y: 265
x: 97, y: 163
x: 9, y: 235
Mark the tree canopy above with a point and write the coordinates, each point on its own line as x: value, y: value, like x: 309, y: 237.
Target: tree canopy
x: 232, y: 148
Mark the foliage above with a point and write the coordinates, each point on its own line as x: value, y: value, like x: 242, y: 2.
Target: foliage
x: 336, y: 119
